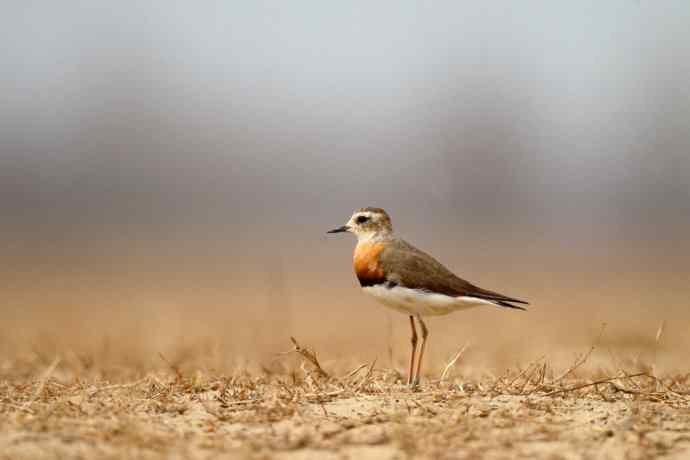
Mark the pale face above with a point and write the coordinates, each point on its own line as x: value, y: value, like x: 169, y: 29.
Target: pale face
x: 365, y: 224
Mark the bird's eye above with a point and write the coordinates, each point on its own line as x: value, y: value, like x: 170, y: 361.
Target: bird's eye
x: 362, y: 219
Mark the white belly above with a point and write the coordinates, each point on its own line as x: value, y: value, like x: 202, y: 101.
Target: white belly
x: 416, y: 302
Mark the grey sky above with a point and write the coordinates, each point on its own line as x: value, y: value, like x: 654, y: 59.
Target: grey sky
x: 547, y: 110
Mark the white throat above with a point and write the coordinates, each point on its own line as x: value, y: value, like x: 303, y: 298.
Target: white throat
x: 371, y: 236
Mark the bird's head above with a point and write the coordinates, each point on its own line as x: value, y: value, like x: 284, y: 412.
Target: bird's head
x: 367, y: 223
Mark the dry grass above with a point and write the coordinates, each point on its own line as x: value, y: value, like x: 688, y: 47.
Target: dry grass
x: 296, y: 407
x: 177, y: 357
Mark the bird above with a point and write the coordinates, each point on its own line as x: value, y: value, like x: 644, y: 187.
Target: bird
x: 410, y: 281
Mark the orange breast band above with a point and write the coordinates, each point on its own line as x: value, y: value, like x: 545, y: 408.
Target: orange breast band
x: 367, y: 266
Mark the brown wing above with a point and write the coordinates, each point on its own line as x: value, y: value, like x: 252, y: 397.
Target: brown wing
x: 408, y: 266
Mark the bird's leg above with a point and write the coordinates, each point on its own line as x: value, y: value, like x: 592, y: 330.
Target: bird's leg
x: 425, y: 334
x: 414, y: 350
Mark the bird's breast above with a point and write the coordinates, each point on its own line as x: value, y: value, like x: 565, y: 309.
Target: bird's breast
x: 367, y: 263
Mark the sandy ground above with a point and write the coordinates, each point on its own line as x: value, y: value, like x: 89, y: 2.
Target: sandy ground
x: 177, y: 358
x: 365, y: 413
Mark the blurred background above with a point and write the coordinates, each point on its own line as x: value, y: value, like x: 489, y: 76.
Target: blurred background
x: 168, y: 171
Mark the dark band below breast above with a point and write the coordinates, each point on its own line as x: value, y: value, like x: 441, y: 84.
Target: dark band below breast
x: 376, y: 281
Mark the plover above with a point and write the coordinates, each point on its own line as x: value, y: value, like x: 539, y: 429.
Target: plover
x: 408, y: 280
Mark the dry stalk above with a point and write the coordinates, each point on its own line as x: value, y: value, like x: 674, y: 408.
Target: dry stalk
x: 122, y: 386
x: 659, y: 382
x: 528, y: 378
x: 389, y: 339
x: 590, y: 384
x: 540, y: 380
x: 499, y: 380
x: 580, y: 360
x: 42, y: 382
x: 657, y: 338
x: 423, y: 407
x: 310, y: 356
x: 528, y: 372
x: 323, y: 397
x: 173, y: 367
x: 453, y: 361
x: 366, y: 378
x: 355, y: 371
x: 217, y: 414
x: 660, y: 331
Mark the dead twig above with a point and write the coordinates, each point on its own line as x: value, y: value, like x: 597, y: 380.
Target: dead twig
x: 355, y: 371
x: 310, y: 356
x: 366, y: 377
x: 323, y: 397
x: 581, y: 360
x: 499, y: 380
x: 212, y: 411
x: 540, y: 379
x: 528, y: 372
x: 452, y: 362
x: 528, y: 378
x: 172, y: 366
x: 119, y: 386
x: 42, y: 382
x: 597, y: 382
x: 657, y: 339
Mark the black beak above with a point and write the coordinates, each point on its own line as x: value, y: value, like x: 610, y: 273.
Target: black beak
x: 344, y: 228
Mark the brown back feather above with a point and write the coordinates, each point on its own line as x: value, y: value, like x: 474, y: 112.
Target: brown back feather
x: 415, y: 269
